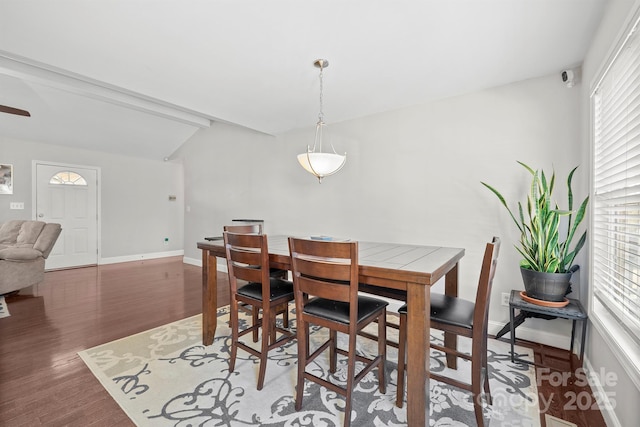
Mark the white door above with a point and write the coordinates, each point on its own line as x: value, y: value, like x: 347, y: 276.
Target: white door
x: 68, y: 195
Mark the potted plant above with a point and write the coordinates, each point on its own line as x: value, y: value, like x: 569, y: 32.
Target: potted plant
x: 547, y: 263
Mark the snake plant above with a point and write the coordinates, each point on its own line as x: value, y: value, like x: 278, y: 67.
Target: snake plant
x: 541, y: 246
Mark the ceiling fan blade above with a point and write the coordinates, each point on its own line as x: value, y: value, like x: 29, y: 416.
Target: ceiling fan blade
x: 17, y: 111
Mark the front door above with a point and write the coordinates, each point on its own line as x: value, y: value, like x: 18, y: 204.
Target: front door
x: 68, y: 195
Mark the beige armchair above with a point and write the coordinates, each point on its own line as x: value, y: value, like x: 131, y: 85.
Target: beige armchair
x: 24, y: 245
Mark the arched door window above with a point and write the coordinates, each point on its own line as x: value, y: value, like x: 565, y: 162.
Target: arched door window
x: 67, y: 178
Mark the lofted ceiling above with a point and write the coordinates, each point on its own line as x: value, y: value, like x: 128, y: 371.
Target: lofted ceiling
x: 139, y: 77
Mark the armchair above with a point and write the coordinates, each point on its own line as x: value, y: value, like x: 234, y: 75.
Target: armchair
x: 24, y: 245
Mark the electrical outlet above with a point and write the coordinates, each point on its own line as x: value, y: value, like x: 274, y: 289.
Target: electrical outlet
x: 166, y: 241
x: 505, y: 298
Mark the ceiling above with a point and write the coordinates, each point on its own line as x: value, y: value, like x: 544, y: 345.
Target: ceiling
x: 139, y: 77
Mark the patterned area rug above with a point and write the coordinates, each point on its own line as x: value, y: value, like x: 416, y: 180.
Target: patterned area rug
x: 166, y: 377
x: 4, y: 310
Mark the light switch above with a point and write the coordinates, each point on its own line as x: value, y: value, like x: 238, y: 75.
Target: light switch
x: 16, y: 205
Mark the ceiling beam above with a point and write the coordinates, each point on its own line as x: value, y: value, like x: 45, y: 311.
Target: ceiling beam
x: 40, y: 73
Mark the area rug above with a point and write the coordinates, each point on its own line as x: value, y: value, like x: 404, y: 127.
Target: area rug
x: 166, y: 377
x: 4, y: 310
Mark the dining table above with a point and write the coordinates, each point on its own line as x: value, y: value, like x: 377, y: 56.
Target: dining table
x: 384, y: 269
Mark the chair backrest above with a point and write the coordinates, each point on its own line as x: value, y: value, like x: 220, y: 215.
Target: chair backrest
x: 483, y: 293
x: 247, y: 258
x: 325, y: 269
x: 244, y: 229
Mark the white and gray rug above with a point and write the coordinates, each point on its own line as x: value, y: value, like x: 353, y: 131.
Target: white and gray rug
x: 4, y: 310
x: 166, y: 377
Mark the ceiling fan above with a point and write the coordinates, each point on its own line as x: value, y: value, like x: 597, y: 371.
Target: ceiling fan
x: 17, y: 111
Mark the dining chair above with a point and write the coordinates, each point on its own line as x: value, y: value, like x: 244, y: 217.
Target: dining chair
x: 461, y: 318
x: 248, y: 265
x: 255, y: 229
x: 273, y: 272
x: 325, y: 281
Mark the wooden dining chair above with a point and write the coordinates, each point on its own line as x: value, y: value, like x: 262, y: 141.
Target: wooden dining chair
x: 256, y: 229
x: 325, y: 278
x: 463, y: 318
x: 273, y: 272
x: 253, y: 288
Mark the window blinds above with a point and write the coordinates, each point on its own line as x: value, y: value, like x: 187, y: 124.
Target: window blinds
x: 616, y: 208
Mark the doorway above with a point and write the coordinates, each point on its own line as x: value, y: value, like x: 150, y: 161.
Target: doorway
x: 68, y: 195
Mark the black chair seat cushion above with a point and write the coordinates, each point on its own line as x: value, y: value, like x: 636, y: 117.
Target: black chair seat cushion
x: 274, y: 272
x: 279, y: 288
x: 339, y: 311
x: 277, y: 272
x: 449, y: 310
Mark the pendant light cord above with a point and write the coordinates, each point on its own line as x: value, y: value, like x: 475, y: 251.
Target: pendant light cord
x: 321, y: 114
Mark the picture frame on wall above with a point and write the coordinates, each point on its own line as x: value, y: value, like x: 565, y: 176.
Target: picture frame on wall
x: 6, y: 178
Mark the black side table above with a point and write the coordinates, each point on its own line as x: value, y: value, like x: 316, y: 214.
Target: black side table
x: 573, y: 311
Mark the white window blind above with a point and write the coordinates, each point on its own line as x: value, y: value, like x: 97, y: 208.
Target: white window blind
x: 616, y: 201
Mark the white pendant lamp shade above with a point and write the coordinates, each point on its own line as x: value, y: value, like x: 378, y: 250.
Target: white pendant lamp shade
x: 321, y: 164
x: 315, y: 162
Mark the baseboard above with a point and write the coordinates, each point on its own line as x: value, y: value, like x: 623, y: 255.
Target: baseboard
x: 605, y: 405
x: 534, y: 335
x: 139, y: 257
x: 222, y: 263
x: 192, y: 261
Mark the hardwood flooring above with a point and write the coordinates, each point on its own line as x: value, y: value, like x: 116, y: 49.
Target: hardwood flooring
x: 43, y: 382
x: 563, y: 390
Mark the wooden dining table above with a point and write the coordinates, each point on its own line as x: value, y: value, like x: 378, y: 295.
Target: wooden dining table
x: 384, y: 267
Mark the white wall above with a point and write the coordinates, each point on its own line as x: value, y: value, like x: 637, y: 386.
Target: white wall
x: 136, y: 213
x: 411, y: 176
x: 227, y: 175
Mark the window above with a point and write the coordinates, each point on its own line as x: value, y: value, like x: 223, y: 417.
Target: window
x: 67, y: 178
x: 616, y: 203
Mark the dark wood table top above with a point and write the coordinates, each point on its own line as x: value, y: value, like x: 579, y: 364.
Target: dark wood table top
x: 383, y: 261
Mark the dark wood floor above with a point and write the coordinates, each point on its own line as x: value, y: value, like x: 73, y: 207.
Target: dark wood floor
x: 563, y: 391
x: 44, y: 382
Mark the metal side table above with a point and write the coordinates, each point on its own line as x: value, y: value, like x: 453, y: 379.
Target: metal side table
x: 573, y: 311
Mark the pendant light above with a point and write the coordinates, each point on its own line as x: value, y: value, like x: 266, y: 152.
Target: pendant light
x: 315, y: 162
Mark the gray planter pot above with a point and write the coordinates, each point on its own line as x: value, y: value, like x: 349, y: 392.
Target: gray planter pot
x: 546, y: 286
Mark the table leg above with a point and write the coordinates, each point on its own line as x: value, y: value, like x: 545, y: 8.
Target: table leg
x: 418, y: 321
x: 584, y: 337
x: 451, y: 340
x: 209, y: 297
x: 573, y: 337
x: 513, y: 333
